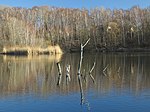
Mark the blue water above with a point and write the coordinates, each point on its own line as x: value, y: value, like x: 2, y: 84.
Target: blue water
x: 112, y: 102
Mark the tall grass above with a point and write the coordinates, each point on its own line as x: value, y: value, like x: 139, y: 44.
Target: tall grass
x: 27, y: 50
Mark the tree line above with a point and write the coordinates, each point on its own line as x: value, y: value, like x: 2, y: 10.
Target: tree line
x: 68, y: 27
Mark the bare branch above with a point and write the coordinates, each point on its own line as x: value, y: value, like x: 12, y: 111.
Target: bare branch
x: 60, y: 73
x: 86, y: 42
x: 92, y: 78
x: 105, y: 68
x: 79, y: 71
x: 91, y: 72
x: 81, y: 56
x: 92, y: 68
x: 104, y: 73
x: 68, y: 79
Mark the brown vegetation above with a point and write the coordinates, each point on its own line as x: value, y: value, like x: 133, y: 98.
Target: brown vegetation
x: 31, y: 50
x: 43, y: 26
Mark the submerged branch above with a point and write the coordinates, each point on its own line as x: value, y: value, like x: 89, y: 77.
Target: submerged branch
x: 105, y: 68
x: 104, y: 71
x: 68, y: 79
x: 81, y: 89
x: 59, y: 74
x: 90, y: 73
x: 79, y: 71
x: 92, y: 68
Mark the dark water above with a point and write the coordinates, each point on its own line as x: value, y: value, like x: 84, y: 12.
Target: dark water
x: 29, y: 84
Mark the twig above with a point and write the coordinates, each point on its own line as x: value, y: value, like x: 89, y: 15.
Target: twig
x: 86, y: 42
x: 92, y: 68
x: 91, y: 72
x: 92, y: 78
x: 104, y: 73
x: 105, y: 70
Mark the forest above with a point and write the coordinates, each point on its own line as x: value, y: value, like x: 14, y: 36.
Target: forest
x: 108, y: 29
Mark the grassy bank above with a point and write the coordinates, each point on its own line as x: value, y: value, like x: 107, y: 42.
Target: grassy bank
x: 28, y: 50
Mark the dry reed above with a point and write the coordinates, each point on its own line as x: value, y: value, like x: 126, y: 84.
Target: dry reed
x: 28, y: 50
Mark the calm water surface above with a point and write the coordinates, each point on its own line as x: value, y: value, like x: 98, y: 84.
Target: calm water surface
x: 29, y: 84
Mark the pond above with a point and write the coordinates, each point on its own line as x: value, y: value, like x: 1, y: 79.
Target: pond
x: 121, y: 83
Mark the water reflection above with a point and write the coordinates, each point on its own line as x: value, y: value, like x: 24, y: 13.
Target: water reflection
x: 125, y: 72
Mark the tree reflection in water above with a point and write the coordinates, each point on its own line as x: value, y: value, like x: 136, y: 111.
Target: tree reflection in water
x: 126, y: 71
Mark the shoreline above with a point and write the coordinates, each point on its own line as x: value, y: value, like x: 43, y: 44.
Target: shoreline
x: 77, y: 50
x: 112, y: 50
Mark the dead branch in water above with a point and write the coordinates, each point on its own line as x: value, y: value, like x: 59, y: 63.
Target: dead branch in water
x: 90, y: 72
x: 92, y: 68
x: 81, y: 56
x: 86, y: 42
x: 68, y: 79
x: 105, y: 70
x: 81, y: 89
x: 59, y: 74
x: 79, y: 71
